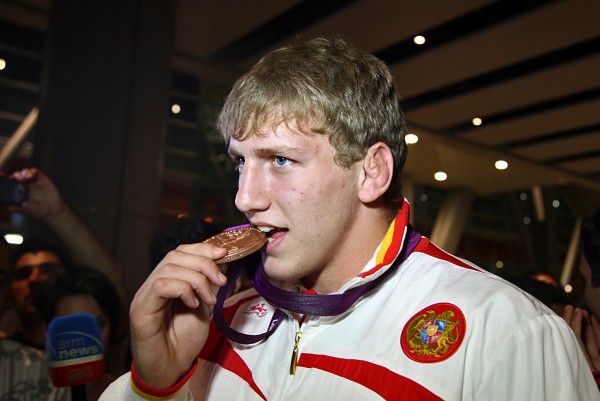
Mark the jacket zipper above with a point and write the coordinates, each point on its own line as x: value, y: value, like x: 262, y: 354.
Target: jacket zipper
x: 295, y: 353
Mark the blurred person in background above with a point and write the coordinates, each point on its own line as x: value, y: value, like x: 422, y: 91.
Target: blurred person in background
x: 44, y: 202
x: 38, y: 262
x: 23, y: 369
x: 34, y: 266
x: 545, y: 288
x: 86, y: 290
x: 186, y: 230
x: 586, y: 323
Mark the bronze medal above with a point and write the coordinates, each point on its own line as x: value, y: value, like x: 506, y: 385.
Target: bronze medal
x: 239, y: 242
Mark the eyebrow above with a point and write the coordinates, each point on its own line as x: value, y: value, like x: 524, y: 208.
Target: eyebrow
x: 267, y: 151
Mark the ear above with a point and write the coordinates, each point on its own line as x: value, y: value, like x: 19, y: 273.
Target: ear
x: 378, y: 169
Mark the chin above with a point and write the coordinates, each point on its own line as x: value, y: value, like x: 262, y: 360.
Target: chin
x: 278, y: 275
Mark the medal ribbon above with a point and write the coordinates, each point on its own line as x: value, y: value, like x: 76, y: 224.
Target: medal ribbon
x: 306, y: 304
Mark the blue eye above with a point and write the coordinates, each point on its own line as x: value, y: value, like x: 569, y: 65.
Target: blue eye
x: 281, y: 161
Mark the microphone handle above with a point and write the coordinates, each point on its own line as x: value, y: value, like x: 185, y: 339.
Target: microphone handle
x: 78, y: 393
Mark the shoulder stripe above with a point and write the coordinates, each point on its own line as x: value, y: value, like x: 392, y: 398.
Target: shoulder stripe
x: 429, y: 248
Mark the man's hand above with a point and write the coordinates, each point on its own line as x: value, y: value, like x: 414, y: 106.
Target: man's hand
x: 587, y: 330
x: 171, y: 312
x: 43, y: 199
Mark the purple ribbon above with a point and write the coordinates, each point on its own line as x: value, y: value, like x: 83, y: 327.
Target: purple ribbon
x: 306, y: 304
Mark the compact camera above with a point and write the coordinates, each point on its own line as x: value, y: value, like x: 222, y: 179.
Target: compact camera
x: 12, y: 192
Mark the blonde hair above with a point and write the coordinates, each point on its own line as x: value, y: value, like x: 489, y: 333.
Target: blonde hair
x: 328, y: 87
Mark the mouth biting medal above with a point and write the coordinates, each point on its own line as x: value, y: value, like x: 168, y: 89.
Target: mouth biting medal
x: 239, y: 242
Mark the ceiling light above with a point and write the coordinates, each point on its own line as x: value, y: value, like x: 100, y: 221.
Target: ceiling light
x: 477, y: 121
x: 499, y: 264
x: 556, y: 203
x: 15, y: 239
x: 568, y: 288
x: 419, y: 39
x: 440, y: 176
x: 501, y: 165
x: 411, y: 139
x: 2, y: 64
x: 176, y: 109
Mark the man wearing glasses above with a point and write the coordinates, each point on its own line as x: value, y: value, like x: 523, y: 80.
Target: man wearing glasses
x: 34, y: 267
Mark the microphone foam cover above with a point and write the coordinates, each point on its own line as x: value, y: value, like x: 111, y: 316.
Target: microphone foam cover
x: 74, y: 350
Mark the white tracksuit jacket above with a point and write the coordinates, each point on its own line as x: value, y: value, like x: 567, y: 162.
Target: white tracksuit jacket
x: 438, y: 328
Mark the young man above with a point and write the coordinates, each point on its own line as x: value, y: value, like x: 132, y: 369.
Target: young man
x: 371, y: 310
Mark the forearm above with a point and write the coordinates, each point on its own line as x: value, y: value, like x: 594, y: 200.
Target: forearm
x: 84, y: 248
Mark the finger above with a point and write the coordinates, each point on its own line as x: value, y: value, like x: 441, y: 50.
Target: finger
x: 198, y: 258
x: 577, y: 322
x: 26, y: 174
x: 214, y: 252
x: 567, y: 314
x: 164, y: 289
x: 198, y: 281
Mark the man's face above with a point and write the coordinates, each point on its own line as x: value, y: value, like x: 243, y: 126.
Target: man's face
x: 83, y: 303
x: 31, y: 271
x: 591, y: 294
x: 289, y: 181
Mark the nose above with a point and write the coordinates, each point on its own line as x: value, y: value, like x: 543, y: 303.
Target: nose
x: 37, y: 275
x: 252, y: 194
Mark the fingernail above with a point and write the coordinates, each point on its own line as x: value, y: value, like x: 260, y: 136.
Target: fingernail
x: 222, y: 277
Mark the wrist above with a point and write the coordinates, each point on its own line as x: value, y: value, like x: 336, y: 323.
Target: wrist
x: 140, y: 386
x: 57, y: 214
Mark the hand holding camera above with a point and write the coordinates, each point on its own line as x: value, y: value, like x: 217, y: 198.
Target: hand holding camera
x: 38, y: 198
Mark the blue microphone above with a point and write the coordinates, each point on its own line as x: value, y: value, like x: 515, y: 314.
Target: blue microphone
x: 75, y: 350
